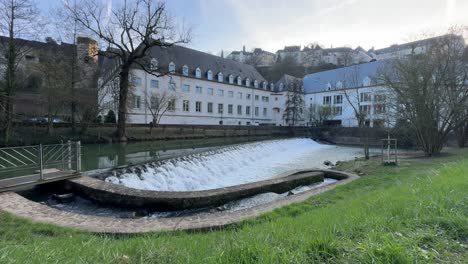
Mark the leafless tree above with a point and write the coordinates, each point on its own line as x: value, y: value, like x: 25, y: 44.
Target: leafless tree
x: 432, y: 90
x: 18, y: 19
x: 130, y: 31
x: 317, y: 114
x: 294, y: 105
x: 158, y: 104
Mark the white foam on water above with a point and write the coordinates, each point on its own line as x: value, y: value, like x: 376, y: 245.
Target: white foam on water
x: 236, y: 165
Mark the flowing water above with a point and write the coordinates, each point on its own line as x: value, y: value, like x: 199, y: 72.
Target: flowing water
x: 232, y: 165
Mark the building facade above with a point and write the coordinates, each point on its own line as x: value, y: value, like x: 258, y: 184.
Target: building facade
x: 199, y: 89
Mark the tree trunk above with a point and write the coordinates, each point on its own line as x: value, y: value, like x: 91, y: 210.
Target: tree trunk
x: 10, y: 78
x: 462, y: 136
x: 123, y: 97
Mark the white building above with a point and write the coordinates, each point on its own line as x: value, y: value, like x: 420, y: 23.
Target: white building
x: 204, y: 89
x: 347, y: 90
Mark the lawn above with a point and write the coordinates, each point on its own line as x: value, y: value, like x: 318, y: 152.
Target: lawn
x: 414, y: 213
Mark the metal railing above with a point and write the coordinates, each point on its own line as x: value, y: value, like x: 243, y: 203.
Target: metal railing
x: 40, y: 159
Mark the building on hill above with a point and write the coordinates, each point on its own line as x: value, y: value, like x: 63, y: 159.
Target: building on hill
x: 199, y: 88
x: 257, y: 57
x: 33, y: 87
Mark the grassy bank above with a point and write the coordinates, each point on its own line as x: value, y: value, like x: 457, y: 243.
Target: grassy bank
x: 414, y: 213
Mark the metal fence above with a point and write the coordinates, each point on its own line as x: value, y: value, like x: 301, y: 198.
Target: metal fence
x: 40, y: 159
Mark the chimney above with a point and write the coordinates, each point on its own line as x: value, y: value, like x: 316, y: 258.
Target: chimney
x: 243, y: 49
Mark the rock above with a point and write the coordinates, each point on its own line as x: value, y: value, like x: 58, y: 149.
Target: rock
x: 63, y: 198
x: 328, y: 163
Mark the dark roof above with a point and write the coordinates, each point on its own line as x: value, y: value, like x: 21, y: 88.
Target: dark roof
x: 318, y: 82
x: 339, y: 49
x: 193, y: 58
x: 414, y: 44
x: 38, y: 45
x: 291, y: 48
x: 286, y: 80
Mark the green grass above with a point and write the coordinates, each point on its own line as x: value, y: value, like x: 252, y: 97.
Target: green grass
x: 414, y: 213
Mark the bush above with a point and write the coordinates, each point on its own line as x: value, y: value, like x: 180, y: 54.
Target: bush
x: 110, y: 117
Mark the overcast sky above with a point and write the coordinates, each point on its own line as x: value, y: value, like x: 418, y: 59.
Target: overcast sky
x: 272, y: 24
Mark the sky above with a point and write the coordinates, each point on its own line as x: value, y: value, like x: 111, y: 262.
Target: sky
x: 272, y: 24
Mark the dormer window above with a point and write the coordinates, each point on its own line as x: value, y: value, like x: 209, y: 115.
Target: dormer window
x: 366, y: 81
x: 272, y: 87
x: 339, y: 85
x: 281, y: 87
x: 239, y: 80
x: 220, y: 77
x: 231, y: 79
x: 328, y: 86
x: 185, y: 70
x: 209, y: 75
x: 154, y: 64
x: 265, y: 85
x: 247, y: 82
x: 198, y: 73
x: 256, y: 84
x: 172, y: 67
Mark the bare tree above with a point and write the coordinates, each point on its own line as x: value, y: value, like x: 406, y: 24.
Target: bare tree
x: 294, y: 105
x: 431, y: 88
x: 18, y: 19
x: 357, y: 99
x: 130, y: 31
x: 318, y: 114
x: 158, y: 104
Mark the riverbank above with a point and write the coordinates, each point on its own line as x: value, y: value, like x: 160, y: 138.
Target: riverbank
x: 415, y: 212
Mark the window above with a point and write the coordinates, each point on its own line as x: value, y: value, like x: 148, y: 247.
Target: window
x: 220, y: 92
x: 239, y: 95
x: 209, y: 107
x: 154, y: 102
x: 171, y: 105
x: 239, y: 80
x: 198, y: 73
x: 338, y: 99
x: 136, y: 81
x: 256, y: 111
x: 366, y: 81
x: 281, y: 87
x: 198, y: 89
x: 276, y: 98
x: 267, y: 99
x: 379, y: 109
x: 154, y: 64
x: 154, y: 84
x: 247, y: 96
x: 209, y: 75
x: 264, y: 111
x: 378, y: 123
x: 327, y: 100
x: 185, y: 105
x: 210, y: 91
x: 231, y: 79
x: 247, y: 110
x: 220, y: 108
x: 365, y: 109
x: 272, y: 86
x: 247, y: 82
x: 185, y: 70
x: 136, y: 102
x: 239, y: 109
x: 380, y: 97
x: 256, y: 84
x: 230, y: 94
x: 337, y: 110
x: 186, y: 88
x: 256, y: 97
x: 198, y: 106
x: 172, y: 85
x: 220, y: 77
x: 339, y: 85
x: 172, y: 67
x: 329, y: 86
x: 265, y: 85
x: 365, y: 97
x: 230, y: 109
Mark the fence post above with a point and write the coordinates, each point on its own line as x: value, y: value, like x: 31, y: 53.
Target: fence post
x: 69, y: 155
x: 62, y: 154
x: 78, y: 156
x: 41, y: 175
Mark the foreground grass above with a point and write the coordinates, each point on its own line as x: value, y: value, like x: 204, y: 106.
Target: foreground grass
x: 414, y: 213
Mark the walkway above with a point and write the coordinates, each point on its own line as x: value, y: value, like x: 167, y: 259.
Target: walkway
x: 17, y: 205
x: 35, y: 179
